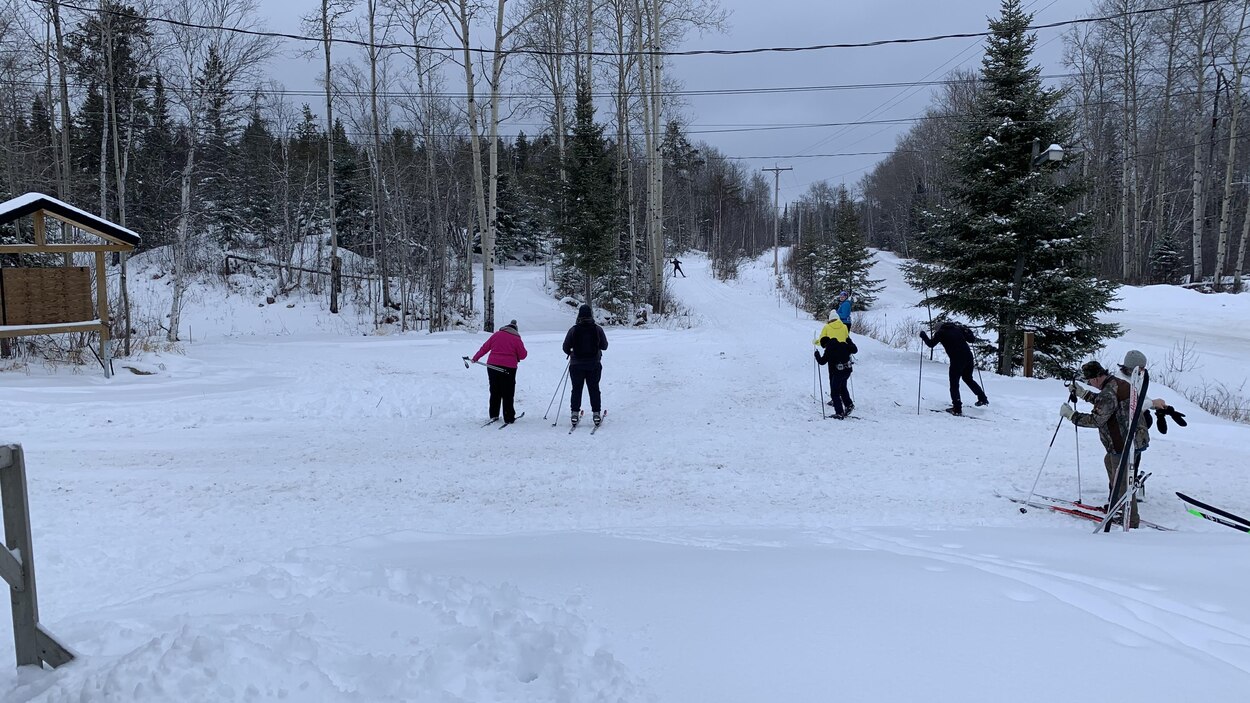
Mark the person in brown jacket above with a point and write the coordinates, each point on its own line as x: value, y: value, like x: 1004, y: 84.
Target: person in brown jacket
x: 1112, y: 416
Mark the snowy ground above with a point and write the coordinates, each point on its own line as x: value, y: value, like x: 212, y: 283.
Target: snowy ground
x: 293, y: 511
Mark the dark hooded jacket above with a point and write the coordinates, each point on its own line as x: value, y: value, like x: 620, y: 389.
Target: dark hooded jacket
x: 585, y: 341
x: 954, y: 339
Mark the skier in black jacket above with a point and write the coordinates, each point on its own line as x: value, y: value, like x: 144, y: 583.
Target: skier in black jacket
x: 584, y: 345
x: 954, y: 339
x: 837, y: 355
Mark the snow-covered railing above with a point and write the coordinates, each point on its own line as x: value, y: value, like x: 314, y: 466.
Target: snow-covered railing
x: 32, y: 644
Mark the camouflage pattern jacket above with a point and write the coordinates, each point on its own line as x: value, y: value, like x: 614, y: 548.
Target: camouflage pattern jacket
x: 1111, y: 416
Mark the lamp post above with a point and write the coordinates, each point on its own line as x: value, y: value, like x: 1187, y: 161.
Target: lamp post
x: 1054, y: 152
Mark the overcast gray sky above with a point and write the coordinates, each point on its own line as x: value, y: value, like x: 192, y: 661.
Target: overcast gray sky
x: 760, y: 23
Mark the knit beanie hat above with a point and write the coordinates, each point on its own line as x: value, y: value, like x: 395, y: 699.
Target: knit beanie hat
x: 585, y: 313
x: 511, y: 324
x: 1132, y: 360
x: 833, y: 315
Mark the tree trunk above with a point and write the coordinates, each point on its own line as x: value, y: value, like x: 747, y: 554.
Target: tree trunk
x: 1198, y: 191
x: 327, y: 35
x: 479, y: 195
x: 182, y: 243
x: 1159, y: 160
x: 66, y: 164
x: 379, y: 232
x: 1226, y: 204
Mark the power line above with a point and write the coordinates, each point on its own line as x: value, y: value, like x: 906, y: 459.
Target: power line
x: 578, y: 53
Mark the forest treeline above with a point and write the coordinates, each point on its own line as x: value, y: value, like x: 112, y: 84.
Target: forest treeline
x: 165, y: 116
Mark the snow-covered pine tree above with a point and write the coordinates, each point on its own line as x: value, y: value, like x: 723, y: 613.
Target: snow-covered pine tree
x: 589, y: 226
x: 827, y: 262
x: 1167, y: 263
x: 851, y: 262
x: 1005, y: 251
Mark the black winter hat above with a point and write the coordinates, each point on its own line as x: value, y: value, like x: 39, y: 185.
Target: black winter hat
x: 585, y: 313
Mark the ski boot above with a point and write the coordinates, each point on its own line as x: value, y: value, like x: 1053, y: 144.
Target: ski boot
x: 955, y: 410
x: 576, y: 416
x: 982, y: 401
x: 597, y: 417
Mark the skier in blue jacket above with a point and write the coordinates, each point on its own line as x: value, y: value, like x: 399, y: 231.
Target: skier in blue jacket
x: 844, y: 307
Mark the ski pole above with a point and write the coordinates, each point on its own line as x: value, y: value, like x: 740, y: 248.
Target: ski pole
x: 920, y: 380
x: 851, y: 378
x: 1033, y: 490
x: 1076, y: 432
x: 1076, y: 435
x: 467, y: 361
x: 821, y: 382
x: 559, y: 387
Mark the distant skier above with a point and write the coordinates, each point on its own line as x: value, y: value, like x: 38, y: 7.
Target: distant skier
x: 584, y: 344
x: 506, y: 352
x: 838, y: 348
x: 677, y: 268
x: 954, y: 339
x: 844, y: 307
x: 1112, y: 416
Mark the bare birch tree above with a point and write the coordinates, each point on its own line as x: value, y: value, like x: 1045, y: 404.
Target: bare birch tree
x: 205, y: 58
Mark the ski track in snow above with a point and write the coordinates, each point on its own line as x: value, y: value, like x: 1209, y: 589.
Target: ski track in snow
x: 1140, y: 610
x: 222, y: 514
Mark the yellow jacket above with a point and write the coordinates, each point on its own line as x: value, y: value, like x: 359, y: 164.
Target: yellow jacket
x: 833, y: 329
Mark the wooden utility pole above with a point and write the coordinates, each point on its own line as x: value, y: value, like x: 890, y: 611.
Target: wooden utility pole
x: 776, y: 171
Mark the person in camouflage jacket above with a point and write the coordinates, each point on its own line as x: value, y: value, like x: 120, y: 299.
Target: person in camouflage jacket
x: 1112, y: 416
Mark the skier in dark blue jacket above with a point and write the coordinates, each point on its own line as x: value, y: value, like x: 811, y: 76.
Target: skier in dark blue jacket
x: 954, y: 339
x: 584, y: 345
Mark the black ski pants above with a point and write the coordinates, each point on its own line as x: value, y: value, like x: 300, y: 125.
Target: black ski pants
x: 502, y: 390
x: 837, y: 388
x: 963, y: 372
x: 585, y: 375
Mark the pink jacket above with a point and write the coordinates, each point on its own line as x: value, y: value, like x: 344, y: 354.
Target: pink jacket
x: 505, y: 347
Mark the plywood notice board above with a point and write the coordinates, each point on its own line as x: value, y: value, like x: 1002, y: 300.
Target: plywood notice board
x: 42, y: 296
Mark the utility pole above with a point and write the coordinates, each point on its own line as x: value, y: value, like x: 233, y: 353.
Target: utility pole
x: 776, y: 171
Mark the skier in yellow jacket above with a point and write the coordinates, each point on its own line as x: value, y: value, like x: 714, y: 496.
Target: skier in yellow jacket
x: 834, y: 329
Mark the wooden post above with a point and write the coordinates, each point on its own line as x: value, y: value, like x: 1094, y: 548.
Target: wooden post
x: 102, y: 310
x: 40, y: 228
x: 1028, y: 354
x: 31, y: 644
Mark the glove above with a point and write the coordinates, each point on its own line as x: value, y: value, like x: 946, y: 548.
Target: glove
x: 1176, y: 415
x: 1066, y: 411
x: 1162, y: 413
x: 924, y: 336
x: 817, y: 355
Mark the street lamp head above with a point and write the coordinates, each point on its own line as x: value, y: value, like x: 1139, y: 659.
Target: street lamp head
x: 1054, y: 152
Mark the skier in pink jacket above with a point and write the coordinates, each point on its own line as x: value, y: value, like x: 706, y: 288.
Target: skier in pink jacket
x: 506, y: 351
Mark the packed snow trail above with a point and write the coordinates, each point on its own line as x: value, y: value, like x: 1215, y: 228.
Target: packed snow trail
x: 225, y: 511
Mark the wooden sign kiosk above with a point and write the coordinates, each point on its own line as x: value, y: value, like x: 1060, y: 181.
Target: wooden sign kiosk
x: 55, y: 300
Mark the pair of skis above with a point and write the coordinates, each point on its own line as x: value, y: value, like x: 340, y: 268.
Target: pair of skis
x: 493, y: 420
x: 1076, y: 509
x: 1126, y: 481
x: 573, y: 428
x: 1214, y: 514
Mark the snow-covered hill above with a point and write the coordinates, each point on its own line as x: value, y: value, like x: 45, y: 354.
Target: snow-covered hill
x: 291, y: 511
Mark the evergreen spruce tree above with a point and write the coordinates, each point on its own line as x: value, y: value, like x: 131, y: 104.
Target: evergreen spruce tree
x: 850, y: 261
x: 351, y: 192
x: 1166, y: 260
x: 1005, y: 252
x: 254, y: 182
x: 588, y: 229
